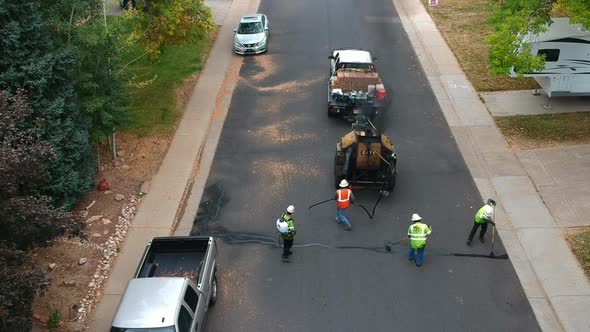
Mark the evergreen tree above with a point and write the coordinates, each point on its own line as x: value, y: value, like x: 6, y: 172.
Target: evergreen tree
x: 27, y: 219
x: 27, y: 61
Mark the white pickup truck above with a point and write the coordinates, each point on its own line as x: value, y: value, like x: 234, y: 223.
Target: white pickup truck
x: 172, y: 288
x: 354, y: 86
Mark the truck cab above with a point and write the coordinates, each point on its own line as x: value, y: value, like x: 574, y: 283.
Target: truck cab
x: 172, y: 289
x: 351, y: 59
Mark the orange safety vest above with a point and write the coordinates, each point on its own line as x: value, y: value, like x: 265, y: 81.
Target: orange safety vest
x: 343, y: 198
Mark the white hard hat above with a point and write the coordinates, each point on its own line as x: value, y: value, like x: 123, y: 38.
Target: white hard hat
x: 488, y: 211
x: 290, y: 209
x: 282, y: 226
x: 343, y: 183
x: 416, y: 217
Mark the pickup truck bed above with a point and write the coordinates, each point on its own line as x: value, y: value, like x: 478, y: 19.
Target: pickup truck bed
x: 348, y: 80
x: 172, y: 288
x: 174, y: 258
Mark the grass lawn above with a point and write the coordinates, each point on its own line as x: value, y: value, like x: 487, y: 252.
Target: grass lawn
x: 547, y: 128
x: 580, y: 245
x: 462, y: 24
x: 153, y: 97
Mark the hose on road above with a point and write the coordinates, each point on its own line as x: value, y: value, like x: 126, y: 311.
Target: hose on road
x: 388, y: 248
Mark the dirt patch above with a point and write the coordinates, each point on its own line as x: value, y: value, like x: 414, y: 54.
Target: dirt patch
x: 139, y: 157
x: 225, y: 93
x: 282, y: 173
x: 269, y: 67
x: 520, y: 143
x: 462, y: 24
x: 545, y: 130
x: 279, y: 133
x: 286, y: 87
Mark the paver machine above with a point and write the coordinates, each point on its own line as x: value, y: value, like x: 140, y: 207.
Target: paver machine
x: 365, y: 157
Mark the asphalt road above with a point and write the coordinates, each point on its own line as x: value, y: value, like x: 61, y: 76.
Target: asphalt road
x: 277, y: 148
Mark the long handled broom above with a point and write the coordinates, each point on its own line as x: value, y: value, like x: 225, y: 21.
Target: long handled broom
x: 492, y: 202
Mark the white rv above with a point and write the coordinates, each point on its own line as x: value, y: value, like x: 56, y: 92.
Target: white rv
x: 567, y: 59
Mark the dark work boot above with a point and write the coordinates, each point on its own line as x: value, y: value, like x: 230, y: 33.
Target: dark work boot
x: 468, y: 242
x: 482, y: 240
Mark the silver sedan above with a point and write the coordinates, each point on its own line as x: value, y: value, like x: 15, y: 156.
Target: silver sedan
x: 252, y: 34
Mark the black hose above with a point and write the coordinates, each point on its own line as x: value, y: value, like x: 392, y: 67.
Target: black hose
x: 371, y: 215
x: 388, y: 248
x: 322, y: 202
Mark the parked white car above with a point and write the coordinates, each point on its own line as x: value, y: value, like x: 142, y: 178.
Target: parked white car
x: 252, y: 34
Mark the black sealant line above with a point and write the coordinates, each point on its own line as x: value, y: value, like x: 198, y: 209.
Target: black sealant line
x: 238, y: 239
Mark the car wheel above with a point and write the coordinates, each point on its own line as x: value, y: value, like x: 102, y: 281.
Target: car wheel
x: 214, y: 289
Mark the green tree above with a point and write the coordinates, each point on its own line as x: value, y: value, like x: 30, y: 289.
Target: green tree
x: 513, y: 19
x: 28, y: 61
x: 100, y: 76
x: 168, y: 22
x: 27, y: 218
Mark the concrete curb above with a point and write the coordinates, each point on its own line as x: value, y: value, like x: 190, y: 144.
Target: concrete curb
x: 553, y: 281
x: 194, y: 141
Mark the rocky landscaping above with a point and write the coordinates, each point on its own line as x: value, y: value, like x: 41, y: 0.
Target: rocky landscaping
x: 79, y: 268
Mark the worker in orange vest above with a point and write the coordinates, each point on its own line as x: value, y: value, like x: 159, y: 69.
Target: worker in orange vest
x: 343, y: 198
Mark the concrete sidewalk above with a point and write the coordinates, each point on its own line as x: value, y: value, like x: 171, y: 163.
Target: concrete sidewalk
x: 554, y: 283
x: 523, y: 102
x: 562, y: 178
x: 197, y: 133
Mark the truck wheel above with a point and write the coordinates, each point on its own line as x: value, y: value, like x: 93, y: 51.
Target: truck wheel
x: 213, y: 291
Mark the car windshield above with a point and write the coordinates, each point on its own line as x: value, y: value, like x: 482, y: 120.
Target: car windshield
x: 250, y: 28
x: 157, y: 329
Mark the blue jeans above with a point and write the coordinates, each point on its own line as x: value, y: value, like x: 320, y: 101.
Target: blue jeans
x: 419, y: 257
x: 342, y: 217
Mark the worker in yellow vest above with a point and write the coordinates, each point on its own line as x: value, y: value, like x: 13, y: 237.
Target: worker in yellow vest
x: 483, y: 217
x: 286, y: 226
x: 343, y: 198
x: 417, y: 233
